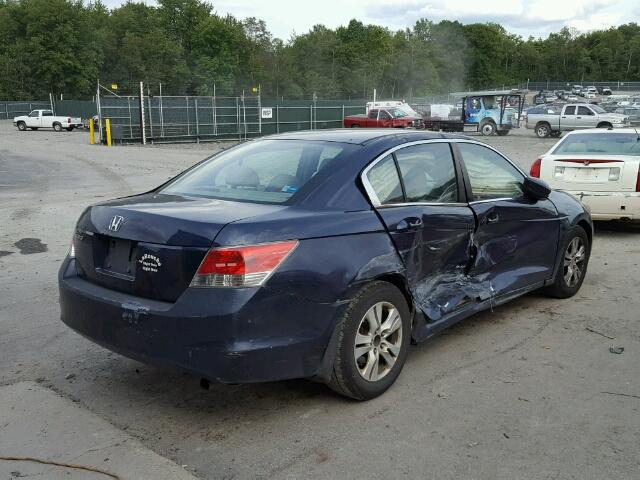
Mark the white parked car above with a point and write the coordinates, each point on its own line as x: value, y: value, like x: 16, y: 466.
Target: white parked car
x: 46, y: 119
x: 600, y: 167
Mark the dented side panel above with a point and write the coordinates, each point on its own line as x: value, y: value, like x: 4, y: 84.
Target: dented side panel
x: 516, y: 243
x: 437, y: 255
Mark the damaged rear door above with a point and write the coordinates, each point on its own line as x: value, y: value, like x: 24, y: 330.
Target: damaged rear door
x: 517, y: 238
x: 416, y: 192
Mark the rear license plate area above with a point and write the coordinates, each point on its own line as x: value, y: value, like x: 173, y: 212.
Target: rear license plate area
x: 119, y: 258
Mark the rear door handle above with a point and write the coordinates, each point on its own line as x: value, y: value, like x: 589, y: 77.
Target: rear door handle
x: 410, y: 223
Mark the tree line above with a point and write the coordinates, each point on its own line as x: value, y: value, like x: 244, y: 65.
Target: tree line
x: 64, y: 46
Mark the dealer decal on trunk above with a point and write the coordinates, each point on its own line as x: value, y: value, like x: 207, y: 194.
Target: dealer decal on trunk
x: 150, y: 263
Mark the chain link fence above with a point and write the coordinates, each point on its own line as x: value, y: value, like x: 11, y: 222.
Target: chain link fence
x: 181, y: 119
x: 8, y: 110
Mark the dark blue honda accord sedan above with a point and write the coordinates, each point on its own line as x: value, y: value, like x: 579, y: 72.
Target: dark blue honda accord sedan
x: 319, y: 254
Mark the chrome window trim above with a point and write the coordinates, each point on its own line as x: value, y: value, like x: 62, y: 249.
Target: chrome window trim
x: 373, y: 197
x: 375, y: 201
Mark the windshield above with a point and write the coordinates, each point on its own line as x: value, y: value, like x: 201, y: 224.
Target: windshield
x: 397, y: 113
x: 266, y: 171
x: 598, y: 143
x: 598, y: 109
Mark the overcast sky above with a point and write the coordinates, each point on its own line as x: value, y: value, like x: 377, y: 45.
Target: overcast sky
x: 523, y: 17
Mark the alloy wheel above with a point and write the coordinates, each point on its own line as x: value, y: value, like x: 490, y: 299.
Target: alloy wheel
x: 378, y: 341
x: 574, y: 258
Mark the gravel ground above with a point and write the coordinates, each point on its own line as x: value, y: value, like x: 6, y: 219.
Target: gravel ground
x: 528, y: 390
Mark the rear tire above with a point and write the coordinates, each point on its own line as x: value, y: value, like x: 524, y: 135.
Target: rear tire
x: 373, y: 342
x: 21, y: 126
x: 57, y: 127
x: 543, y: 130
x: 576, y: 250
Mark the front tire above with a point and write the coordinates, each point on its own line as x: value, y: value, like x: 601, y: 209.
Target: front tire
x: 605, y: 125
x: 22, y: 126
x: 487, y: 128
x: 373, y: 342
x: 573, y: 266
x: 57, y: 127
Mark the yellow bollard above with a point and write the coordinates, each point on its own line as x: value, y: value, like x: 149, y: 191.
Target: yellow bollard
x: 107, y: 124
x: 92, y: 134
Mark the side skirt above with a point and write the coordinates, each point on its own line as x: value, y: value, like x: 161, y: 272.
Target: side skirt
x: 423, y: 329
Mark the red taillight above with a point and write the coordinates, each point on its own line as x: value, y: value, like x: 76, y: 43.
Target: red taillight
x: 241, y: 266
x: 535, y: 168
x: 638, y: 180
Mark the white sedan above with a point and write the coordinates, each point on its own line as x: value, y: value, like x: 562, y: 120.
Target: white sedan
x: 600, y: 167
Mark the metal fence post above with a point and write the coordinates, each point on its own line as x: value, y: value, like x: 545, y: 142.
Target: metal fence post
x: 310, y: 117
x: 215, y: 115
x: 277, y: 118
x: 161, y: 113
x: 188, y: 124
x: 130, y: 119
x: 238, y: 120
x: 342, y: 122
x: 150, y: 115
x: 259, y: 114
x: 142, y: 120
x: 195, y: 101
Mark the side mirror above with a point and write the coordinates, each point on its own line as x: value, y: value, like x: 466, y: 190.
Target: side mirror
x: 535, y: 189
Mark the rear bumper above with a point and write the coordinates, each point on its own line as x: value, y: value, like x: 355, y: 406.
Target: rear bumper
x: 611, y: 205
x: 224, y: 335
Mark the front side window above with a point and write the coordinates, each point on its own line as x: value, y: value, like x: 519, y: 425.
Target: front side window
x: 491, y: 175
x: 385, y: 182
x: 373, y: 113
x: 584, y: 111
x: 34, y: 114
x: 428, y: 173
x: 570, y: 110
x: 266, y: 171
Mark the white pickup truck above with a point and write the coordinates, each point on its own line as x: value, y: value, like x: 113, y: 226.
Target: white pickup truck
x: 46, y: 119
x: 573, y: 116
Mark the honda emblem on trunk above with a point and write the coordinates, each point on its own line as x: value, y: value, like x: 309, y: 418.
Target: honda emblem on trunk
x: 115, y: 223
x: 586, y: 163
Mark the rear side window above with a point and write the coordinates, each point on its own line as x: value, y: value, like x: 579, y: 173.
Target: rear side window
x: 607, y: 143
x: 491, y: 175
x: 385, y: 182
x: 267, y: 171
x: 428, y: 173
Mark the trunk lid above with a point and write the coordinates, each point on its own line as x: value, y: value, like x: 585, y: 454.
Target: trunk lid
x: 600, y: 173
x: 151, y: 245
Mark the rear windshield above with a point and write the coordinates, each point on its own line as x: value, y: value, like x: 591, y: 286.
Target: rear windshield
x: 265, y: 171
x: 599, y: 143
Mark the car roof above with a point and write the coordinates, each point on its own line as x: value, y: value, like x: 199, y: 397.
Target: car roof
x: 363, y: 136
x: 601, y: 130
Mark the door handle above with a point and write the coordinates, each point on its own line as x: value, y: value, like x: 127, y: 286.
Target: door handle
x: 492, y: 217
x: 409, y: 223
